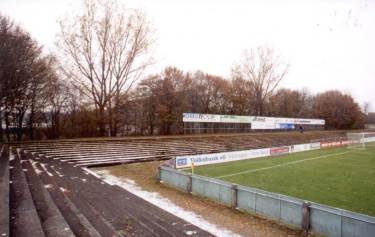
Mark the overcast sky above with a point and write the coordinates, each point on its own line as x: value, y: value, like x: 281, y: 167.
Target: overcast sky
x: 328, y: 44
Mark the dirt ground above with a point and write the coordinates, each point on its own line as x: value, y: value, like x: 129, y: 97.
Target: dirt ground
x: 236, y: 221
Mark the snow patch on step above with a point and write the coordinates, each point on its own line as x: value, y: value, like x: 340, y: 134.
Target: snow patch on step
x: 45, y: 169
x: 64, y: 190
x: 164, y: 203
x: 11, y: 156
x: 56, y: 171
x: 33, y: 164
x: 48, y: 186
x: 88, y: 171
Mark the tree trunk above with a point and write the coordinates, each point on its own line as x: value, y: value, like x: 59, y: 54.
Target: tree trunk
x: 31, y: 121
x: 1, y: 127
x: 7, y: 125
x: 151, y: 125
x: 19, y: 126
x: 113, y: 119
x: 261, y: 110
x: 101, y: 121
x: 57, y: 125
x: 114, y: 128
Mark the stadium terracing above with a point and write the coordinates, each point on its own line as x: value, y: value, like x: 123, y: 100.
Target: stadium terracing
x: 48, y: 190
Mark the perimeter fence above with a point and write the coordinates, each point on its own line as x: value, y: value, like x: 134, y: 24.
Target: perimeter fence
x: 297, y: 213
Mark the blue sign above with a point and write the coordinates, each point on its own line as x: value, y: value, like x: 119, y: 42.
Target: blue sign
x: 286, y: 126
x: 181, y: 161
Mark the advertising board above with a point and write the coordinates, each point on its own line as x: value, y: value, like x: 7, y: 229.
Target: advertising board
x: 263, y: 125
x: 334, y: 144
x: 202, y: 118
x: 309, y: 121
x: 216, y: 118
x: 276, y: 151
x: 186, y: 161
x: 206, y: 159
x: 299, y: 147
x: 285, y: 126
x: 315, y: 146
x: 235, y: 119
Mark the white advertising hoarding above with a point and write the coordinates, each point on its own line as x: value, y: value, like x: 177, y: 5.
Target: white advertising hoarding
x: 315, y: 146
x: 186, y: 161
x: 216, y: 118
x: 300, y: 147
x: 206, y: 159
x: 201, y: 118
x: 309, y: 121
x: 235, y: 119
x: 263, y: 125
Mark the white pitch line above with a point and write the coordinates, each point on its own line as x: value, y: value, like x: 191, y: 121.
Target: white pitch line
x: 281, y: 165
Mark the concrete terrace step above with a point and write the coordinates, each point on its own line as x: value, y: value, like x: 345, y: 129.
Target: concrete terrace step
x: 160, y: 222
x: 88, y: 147
x: 160, y: 147
x: 52, y: 221
x: 208, y: 142
x: 72, y: 156
x: 122, y: 212
x: 4, y: 193
x: 116, y: 146
x: 80, y: 160
x: 98, y: 163
x: 67, y: 151
x: 62, y: 153
x: 24, y: 217
x: 134, y: 155
x: 78, y: 223
x: 84, y: 209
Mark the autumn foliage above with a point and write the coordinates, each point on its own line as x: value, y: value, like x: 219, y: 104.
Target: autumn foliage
x: 339, y: 110
x: 47, y: 97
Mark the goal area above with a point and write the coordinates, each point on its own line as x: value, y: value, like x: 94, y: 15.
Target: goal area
x: 360, y: 140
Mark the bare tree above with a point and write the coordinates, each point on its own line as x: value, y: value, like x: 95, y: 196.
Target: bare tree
x: 264, y: 71
x: 104, y: 51
x: 23, y: 71
x: 366, y: 107
x: 291, y: 103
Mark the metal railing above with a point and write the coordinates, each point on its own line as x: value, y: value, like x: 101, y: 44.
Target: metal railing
x: 318, y: 218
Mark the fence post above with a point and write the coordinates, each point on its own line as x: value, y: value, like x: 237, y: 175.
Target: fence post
x: 190, y: 185
x: 234, y: 196
x: 158, y: 175
x: 306, y: 218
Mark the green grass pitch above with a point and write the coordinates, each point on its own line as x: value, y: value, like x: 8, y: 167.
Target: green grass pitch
x: 339, y: 177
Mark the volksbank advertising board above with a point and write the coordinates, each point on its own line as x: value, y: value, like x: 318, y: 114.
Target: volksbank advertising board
x: 206, y: 159
x: 258, y: 121
x: 186, y: 161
